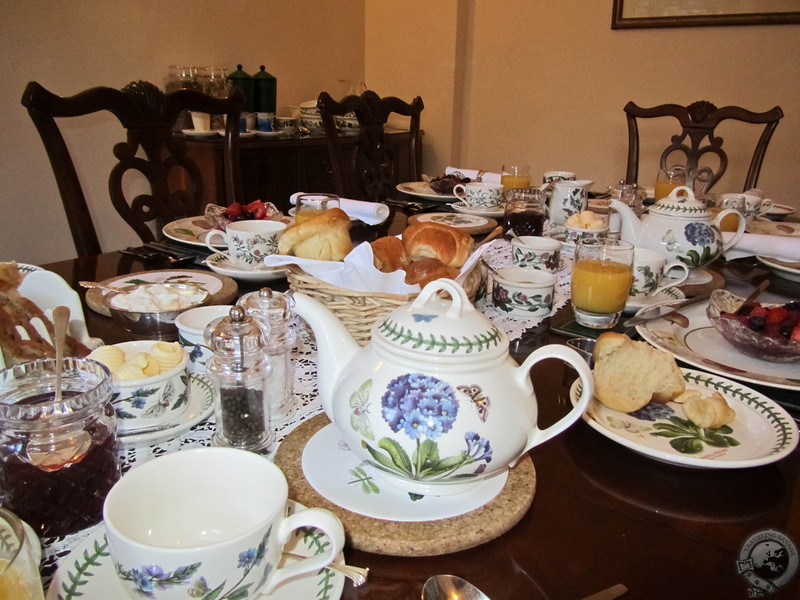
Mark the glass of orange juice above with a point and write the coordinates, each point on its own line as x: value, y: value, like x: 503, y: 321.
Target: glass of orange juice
x: 667, y: 180
x: 310, y: 205
x: 515, y: 176
x: 19, y: 566
x: 601, y: 281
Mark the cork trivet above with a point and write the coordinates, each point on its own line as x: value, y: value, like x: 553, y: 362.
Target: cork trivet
x: 397, y: 538
x: 716, y: 282
x: 225, y: 295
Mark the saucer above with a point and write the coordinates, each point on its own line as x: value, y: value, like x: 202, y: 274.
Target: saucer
x: 243, y: 135
x: 481, y: 212
x: 269, y: 134
x: 336, y: 473
x: 219, y: 263
x: 201, y: 406
x: 88, y: 571
x: 667, y: 295
x: 195, y: 133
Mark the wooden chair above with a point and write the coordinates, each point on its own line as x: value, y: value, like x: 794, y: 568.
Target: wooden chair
x: 697, y: 138
x: 370, y: 172
x: 150, y: 149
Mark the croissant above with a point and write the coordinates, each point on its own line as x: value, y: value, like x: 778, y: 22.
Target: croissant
x: 434, y: 240
x: 323, y: 237
x: 425, y: 270
x: 389, y: 254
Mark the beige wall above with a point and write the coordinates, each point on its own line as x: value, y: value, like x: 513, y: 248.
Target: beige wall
x: 75, y: 44
x: 502, y: 80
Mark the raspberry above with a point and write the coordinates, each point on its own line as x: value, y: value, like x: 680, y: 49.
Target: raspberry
x: 759, y: 311
x: 776, y: 314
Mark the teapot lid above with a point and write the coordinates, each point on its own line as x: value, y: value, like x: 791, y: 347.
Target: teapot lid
x: 439, y: 327
x: 685, y: 206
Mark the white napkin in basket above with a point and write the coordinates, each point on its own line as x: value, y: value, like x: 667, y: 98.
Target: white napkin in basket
x: 473, y: 174
x: 773, y: 246
x: 370, y: 213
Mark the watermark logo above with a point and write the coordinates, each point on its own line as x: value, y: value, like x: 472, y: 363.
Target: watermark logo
x: 768, y: 560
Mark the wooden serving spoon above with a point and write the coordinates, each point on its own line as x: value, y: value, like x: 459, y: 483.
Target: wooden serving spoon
x: 61, y: 316
x: 753, y: 295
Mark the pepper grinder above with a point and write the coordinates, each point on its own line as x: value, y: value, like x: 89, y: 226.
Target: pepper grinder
x: 274, y: 310
x: 239, y: 369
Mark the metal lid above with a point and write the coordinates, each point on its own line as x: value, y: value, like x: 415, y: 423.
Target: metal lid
x: 235, y: 336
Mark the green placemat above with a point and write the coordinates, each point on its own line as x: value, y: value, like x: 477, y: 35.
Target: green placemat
x: 563, y: 322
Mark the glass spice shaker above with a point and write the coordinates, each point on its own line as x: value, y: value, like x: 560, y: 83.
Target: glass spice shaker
x: 274, y: 310
x: 239, y: 369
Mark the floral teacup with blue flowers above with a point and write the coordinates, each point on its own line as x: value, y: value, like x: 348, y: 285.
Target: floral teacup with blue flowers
x: 209, y: 523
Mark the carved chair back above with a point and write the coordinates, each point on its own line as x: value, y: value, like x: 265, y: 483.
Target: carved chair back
x: 151, y: 149
x: 369, y: 172
x: 697, y: 140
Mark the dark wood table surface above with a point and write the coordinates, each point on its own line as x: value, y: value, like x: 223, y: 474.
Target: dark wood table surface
x: 601, y: 514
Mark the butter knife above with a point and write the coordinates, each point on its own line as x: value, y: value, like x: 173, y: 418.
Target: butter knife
x: 656, y: 311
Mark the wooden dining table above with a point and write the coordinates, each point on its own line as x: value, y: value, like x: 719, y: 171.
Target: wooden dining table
x: 601, y: 513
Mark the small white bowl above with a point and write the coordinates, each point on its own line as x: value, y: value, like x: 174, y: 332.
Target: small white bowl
x: 577, y: 234
x: 151, y: 401
x: 523, y: 292
x: 536, y: 252
x: 191, y: 325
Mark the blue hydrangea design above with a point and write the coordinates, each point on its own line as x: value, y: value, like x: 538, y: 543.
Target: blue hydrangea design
x: 420, y: 406
x: 699, y: 234
x: 653, y: 411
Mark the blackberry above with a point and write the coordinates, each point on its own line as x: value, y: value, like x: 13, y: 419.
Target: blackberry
x: 756, y: 323
x: 745, y: 310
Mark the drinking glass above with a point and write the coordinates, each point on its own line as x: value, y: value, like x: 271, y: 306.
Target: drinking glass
x: 601, y: 279
x: 525, y: 212
x: 667, y: 180
x: 310, y: 205
x: 19, y: 565
x: 515, y: 176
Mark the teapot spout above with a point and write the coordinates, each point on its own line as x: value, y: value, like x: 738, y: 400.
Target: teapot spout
x: 630, y: 226
x: 335, y: 346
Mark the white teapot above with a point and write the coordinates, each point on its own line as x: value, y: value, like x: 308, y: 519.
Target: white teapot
x: 679, y: 227
x: 434, y: 402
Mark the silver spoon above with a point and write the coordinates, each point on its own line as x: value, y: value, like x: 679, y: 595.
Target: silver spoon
x: 449, y: 587
x: 60, y: 323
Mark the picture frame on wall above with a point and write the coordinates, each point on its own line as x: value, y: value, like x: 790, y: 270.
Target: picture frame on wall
x: 631, y: 14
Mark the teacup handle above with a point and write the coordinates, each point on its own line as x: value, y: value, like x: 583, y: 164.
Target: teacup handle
x: 460, y: 191
x: 765, y: 207
x: 322, y: 519
x: 739, y: 228
x: 672, y: 282
x: 523, y: 380
x: 210, y: 235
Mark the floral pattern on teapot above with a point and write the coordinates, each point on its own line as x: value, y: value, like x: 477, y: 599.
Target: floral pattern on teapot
x: 422, y: 408
x: 697, y: 234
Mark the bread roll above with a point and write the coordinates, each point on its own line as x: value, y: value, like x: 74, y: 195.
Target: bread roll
x: 706, y: 411
x: 629, y: 374
x: 433, y: 240
x: 323, y: 237
x: 389, y: 254
x: 425, y: 270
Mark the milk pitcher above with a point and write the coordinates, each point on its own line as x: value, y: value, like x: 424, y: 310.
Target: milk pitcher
x: 568, y: 198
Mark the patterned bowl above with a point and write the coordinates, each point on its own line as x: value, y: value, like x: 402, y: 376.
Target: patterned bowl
x: 758, y: 344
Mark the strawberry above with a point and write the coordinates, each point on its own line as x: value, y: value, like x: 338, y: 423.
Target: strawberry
x: 776, y: 314
x: 795, y: 334
x: 759, y: 311
x: 234, y: 211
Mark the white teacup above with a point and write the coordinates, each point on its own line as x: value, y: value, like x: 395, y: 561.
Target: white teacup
x: 206, y: 519
x: 523, y: 292
x: 478, y: 194
x: 536, y: 252
x: 732, y: 201
x: 191, y: 324
x: 551, y: 176
x: 248, y: 242
x: 755, y: 206
x: 201, y: 121
x: 651, y: 274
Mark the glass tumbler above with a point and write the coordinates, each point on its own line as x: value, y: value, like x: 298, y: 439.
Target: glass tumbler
x: 19, y: 561
x: 515, y: 176
x: 58, y: 459
x: 601, y: 280
x: 311, y: 205
x: 525, y: 212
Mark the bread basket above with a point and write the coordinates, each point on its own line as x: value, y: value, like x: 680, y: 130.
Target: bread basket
x: 358, y: 311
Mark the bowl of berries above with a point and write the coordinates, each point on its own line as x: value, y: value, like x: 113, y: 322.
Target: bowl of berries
x: 766, y: 331
x: 219, y: 216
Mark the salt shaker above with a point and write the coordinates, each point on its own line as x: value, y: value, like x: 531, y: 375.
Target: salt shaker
x: 274, y: 310
x: 239, y: 369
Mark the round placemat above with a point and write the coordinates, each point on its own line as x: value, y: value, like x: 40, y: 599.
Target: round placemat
x: 226, y: 293
x: 471, y: 224
x: 396, y: 538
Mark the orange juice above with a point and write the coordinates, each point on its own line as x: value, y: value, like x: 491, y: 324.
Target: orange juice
x: 515, y: 181
x: 663, y: 188
x: 306, y: 214
x: 13, y: 585
x: 601, y: 286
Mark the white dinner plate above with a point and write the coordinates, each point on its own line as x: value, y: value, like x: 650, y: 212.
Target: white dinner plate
x: 190, y: 230
x: 761, y: 433
x: 480, y: 212
x: 667, y: 295
x: 767, y: 227
x: 701, y: 345
x: 88, y: 571
x: 782, y: 268
x: 220, y: 263
x: 421, y: 189
x: 201, y: 406
x: 453, y: 220
x: 343, y: 478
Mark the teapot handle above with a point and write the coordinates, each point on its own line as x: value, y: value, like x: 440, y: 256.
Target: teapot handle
x: 457, y: 293
x: 572, y: 358
x: 739, y: 228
